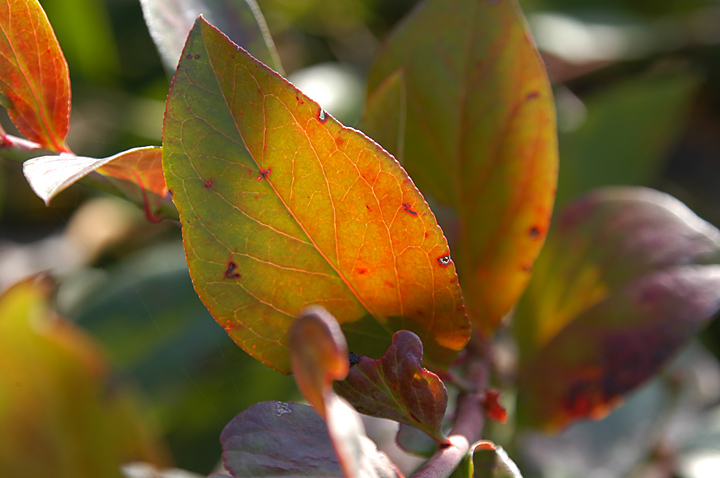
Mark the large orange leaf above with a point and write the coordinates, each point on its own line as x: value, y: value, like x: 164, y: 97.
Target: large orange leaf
x: 282, y: 207
x: 479, y: 137
x: 34, y: 79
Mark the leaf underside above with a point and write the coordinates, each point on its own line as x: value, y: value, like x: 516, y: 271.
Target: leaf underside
x: 283, y: 207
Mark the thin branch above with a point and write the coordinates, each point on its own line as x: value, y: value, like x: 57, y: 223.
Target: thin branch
x: 469, y: 422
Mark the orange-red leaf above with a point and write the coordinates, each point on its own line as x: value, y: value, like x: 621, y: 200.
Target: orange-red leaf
x: 34, y: 79
x: 283, y: 207
x: 479, y: 137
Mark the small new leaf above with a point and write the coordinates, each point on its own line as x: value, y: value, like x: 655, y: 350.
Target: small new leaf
x: 397, y: 387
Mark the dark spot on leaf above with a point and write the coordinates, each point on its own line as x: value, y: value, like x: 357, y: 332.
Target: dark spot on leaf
x: 453, y: 280
x: 368, y: 207
x: 209, y: 183
x: 361, y: 270
x: 322, y: 115
x: 230, y: 272
x: 353, y: 358
x: 534, y: 232
x: 389, y: 284
x: 339, y: 141
x: 532, y: 95
x: 445, y: 260
x: 189, y: 57
x: 409, y: 209
x: 197, y: 57
x: 232, y: 56
x: 264, y: 173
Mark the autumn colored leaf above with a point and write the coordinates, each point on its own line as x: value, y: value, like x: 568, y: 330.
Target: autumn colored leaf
x: 63, y: 412
x: 398, y: 388
x: 277, y: 439
x: 283, y: 207
x: 34, y: 79
x: 624, y: 282
x: 135, y: 174
x: 480, y: 137
x: 169, y: 22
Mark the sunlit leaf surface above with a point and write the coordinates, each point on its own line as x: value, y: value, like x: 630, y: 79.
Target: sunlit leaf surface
x: 283, y: 207
x: 480, y: 137
x: 34, y: 79
x: 63, y: 412
x: 135, y: 174
x: 169, y: 22
x: 622, y: 287
x: 278, y: 439
x: 398, y: 388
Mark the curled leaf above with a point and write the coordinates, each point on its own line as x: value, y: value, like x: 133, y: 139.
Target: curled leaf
x: 397, y: 387
x: 135, y: 174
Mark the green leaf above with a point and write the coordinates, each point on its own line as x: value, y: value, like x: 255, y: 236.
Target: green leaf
x: 283, y: 207
x: 135, y: 174
x: 642, y: 116
x: 413, y: 441
x: 398, y: 388
x: 385, y: 115
x: 169, y: 22
x: 277, y: 439
x: 480, y: 137
x: 493, y: 463
x: 34, y: 79
x: 620, y: 289
x: 63, y: 411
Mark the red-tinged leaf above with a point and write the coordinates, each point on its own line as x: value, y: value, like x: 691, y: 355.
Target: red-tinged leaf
x: 63, y: 411
x: 600, y: 243
x: 276, y: 439
x: 318, y: 354
x: 283, y: 207
x: 385, y: 114
x: 135, y: 174
x: 34, y: 79
x: 480, y: 137
x: 612, y: 300
x: 169, y: 22
x: 397, y: 387
x: 493, y: 409
x: 616, y: 345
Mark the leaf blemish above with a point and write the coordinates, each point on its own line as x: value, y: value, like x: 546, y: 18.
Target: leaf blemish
x: 532, y: 95
x: 409, y: 209
x: 445, y: 260
x: 282, y: 408
x: 361, y: 270
x: 534, y: 232
x: 197, y: 57
x: 209, y: 183
x: 322, y: 115
x: 230, y: 271
x: 264, y: 173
